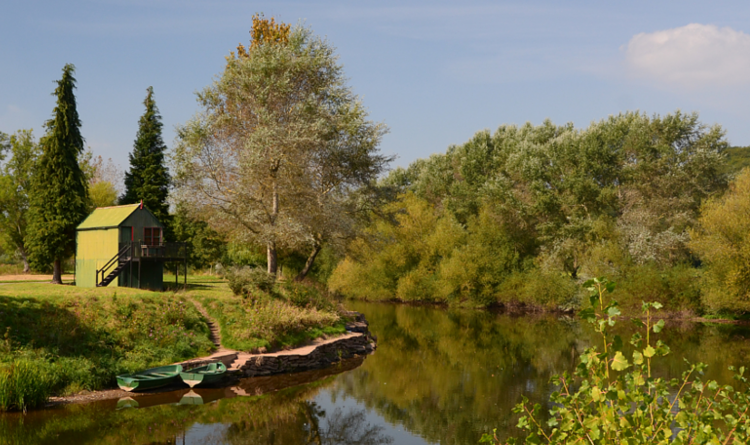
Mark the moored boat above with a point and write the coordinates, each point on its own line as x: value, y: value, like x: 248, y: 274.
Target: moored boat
x: 204, y: 375
x: 150, y: 378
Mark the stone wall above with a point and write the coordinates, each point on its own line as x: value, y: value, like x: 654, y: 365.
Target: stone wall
x: 320, y: 357
x: 358, y: 342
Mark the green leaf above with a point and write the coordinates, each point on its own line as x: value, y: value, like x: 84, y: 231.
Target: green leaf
x: 658, y: 326
x: 587, y: 314
x: 620, y: 363
x: 613, y: 311
x: 637, y: 322
x: 596, y: 394
x: 617, y: 343
x: 637, y: 358
x: 649, y: 352
x: 656, y: 305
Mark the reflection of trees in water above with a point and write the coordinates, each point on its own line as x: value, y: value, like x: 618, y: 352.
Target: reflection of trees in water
x: 310, y: 425
x: 351, y: 428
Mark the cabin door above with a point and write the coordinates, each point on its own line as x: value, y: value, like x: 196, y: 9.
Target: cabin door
x: 126, y: 234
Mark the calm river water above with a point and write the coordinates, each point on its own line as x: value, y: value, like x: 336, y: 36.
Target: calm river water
x: 438, y: 376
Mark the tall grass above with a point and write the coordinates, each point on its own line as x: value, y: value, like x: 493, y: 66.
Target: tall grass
x: 24, y: 384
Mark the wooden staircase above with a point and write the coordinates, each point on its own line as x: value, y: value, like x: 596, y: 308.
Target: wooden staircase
x: 122, y: 259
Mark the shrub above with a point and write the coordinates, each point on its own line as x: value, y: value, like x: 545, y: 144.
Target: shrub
x: 538, y: 288
x: 613, y: 396
x: 723, y: 243
x: 306, y: 296
x: 249, y: 281
x: 24, y: 384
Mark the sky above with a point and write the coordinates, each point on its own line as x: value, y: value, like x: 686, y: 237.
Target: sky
x: 435, y: 72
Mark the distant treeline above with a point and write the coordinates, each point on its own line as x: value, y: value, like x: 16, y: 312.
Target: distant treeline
x: 521, y: 215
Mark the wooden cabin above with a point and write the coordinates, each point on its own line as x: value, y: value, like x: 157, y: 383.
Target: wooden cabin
x: 123, y: 246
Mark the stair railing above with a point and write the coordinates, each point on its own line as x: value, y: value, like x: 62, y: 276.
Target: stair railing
x: 115, y: 260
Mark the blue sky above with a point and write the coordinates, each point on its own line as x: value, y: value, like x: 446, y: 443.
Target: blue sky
x: 434, y: 72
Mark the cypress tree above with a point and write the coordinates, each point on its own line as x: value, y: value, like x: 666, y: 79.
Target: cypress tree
x: 148, y: 178
x: 59, y: 197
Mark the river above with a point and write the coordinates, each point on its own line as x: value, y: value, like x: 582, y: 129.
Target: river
x: 438, y: 376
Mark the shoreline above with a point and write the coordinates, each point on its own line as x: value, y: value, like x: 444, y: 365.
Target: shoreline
x: 523, y: 309
x: 318, y: 355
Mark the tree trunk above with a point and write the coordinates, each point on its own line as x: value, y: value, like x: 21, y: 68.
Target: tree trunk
x: 271, y: 257
x: 26, y: 268
x: 272, y: 245
x: 57, y: 272
x: 309, y: 263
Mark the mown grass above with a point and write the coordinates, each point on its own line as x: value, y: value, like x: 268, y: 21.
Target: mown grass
x: 80, y: 339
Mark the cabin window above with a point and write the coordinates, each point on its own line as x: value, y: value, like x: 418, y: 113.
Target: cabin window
x: 152, y: 236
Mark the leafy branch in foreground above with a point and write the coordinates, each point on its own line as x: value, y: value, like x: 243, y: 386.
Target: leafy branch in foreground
x: 613, y: 399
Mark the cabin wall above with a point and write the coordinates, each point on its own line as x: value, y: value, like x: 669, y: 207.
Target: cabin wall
x: 94, y: 248
x: 140, y: 219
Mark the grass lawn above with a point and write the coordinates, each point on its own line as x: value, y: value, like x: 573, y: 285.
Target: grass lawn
x: 64, y: 339
x: 78, y: 338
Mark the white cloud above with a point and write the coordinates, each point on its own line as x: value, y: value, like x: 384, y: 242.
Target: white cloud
x: 692, y: 56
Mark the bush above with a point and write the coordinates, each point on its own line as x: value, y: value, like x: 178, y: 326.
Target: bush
x: 306, y: 296
x: 249, y: 281
x: 24, y: 384
x: 538, y: 288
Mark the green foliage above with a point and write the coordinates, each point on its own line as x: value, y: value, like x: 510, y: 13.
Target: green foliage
x: 24, y: 384
x: 738, y: 158
x: 268, y: 321
x: 305, y: 295
x: 615, y: 398
x: 545, y: 200
x: 148, y: 178
x: 15, y: 188
x: 307, y: 146
x: 250, y: 281
x: 83, y: 338
x: 207, y: 247
x: 102, y: 194
x: 59, y: 198
x: 723, y: 242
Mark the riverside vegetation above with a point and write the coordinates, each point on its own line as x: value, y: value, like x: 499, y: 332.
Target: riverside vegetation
x: 61, y: 339
x: 522, y: 216
x: 613, y: 397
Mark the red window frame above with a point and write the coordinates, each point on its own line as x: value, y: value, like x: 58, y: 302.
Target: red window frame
x: 152, y: 236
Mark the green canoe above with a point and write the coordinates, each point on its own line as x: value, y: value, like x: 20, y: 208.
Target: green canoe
x: 150, y: 378
x: 204, y: 375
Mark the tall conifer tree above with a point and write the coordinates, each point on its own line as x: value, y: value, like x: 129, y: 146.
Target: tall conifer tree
x: 148, y: 178
x: 59, y: 198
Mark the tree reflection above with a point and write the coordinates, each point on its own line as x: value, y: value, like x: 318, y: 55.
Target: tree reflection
x: 309, y: 424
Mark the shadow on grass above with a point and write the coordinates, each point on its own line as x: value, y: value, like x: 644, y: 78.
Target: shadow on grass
x: 30, y: 323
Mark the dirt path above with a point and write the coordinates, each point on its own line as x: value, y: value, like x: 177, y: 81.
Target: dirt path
x: 214, y: 329
x: 29, y: 277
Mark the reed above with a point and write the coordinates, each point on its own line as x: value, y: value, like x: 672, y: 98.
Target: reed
x: 23, y: 384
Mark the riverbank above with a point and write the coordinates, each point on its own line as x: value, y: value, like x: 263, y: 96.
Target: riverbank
x: 77, y: 339
x: 320, y: 354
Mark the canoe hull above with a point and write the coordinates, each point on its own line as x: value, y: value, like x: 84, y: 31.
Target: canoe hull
x: 150, y: 378
x: 204, y: 375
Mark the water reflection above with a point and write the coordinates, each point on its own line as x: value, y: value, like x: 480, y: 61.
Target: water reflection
x: 437, y: 377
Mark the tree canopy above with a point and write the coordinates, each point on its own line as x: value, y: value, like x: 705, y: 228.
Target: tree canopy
x: 148, y: 178
x: 59, y: 199
x: 552, y: 199
x: 280, y: 146
x: 15, y: 188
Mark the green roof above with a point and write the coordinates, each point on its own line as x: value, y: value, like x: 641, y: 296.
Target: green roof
x: 108, y: 216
